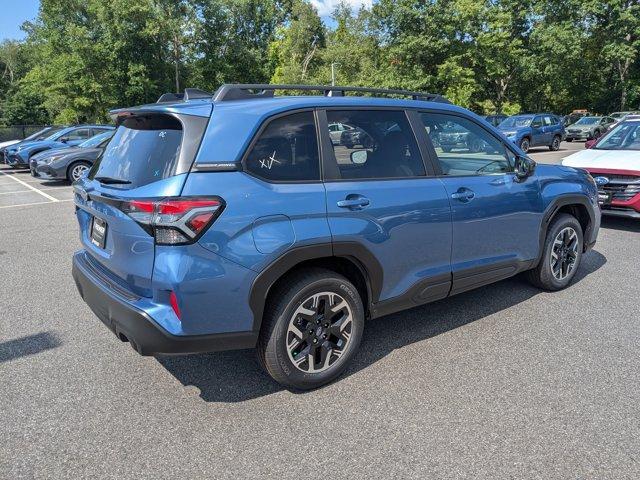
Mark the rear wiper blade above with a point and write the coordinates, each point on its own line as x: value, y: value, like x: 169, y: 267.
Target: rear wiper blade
x: 111, y: 180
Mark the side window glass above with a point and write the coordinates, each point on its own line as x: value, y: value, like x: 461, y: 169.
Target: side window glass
x: 375, y: 144
x: 463, y: 147
x: 537, y: 122
x: 547, y: 121
x: 287, y: 150
x: 78, y: 134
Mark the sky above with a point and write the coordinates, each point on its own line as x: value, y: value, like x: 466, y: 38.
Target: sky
x: 14, y: 12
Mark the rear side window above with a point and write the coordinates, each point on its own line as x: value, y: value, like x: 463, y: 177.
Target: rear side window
x: 144, y: 149
x: 286, y: 150
x: 374, y: 144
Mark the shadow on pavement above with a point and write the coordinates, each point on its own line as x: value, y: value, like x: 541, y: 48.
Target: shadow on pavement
x: 29, y: 345
x: 621, y: 223
x: 236, y: 376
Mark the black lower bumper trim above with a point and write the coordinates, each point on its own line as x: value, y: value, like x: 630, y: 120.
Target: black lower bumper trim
x: 627, y: 213
x: 135, y: 326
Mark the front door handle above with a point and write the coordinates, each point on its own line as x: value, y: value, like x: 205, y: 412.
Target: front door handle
x: 354, y: 202
x: 463, y: 194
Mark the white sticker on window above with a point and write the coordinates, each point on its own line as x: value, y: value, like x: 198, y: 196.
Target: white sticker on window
x: 268, y: 162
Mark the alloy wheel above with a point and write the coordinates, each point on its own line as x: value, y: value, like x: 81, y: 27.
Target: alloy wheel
x: 319, y: 332
x: 564, y: 253
x: 524, y: 145
x: 78, y: 171
x: 556, y: 143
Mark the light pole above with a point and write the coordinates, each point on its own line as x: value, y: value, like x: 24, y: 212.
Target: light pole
x: 333, y: 73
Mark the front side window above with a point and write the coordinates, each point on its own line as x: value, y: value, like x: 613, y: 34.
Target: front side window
x: 78, y: 134
x: 375, y: 144
x: 286, y: 150
x: 463, y: 147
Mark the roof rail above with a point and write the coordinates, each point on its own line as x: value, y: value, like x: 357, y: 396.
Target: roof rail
x: 245, y: 91
x: 189, y: 94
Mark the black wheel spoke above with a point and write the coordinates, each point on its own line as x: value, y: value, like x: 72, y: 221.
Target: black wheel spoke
x: 319, y: 331
x: 564, y: 253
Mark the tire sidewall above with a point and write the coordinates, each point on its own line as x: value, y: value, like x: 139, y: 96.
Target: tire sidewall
x: 294, y: 376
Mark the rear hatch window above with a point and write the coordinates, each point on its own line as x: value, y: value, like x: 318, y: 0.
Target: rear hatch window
x: 143, y: 150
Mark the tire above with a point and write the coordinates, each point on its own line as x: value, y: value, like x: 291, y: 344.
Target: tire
x: 568, y: 140
x: 545, y: 275
x: 446, y: 149
x: 597, y: 134
x: 524, y: 144
x: 286, y: 329
x: 77, y: 167
x: 555, y: 144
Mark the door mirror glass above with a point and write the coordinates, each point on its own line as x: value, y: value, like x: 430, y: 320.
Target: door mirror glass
x: 359, y: 157
x: 524, y: 167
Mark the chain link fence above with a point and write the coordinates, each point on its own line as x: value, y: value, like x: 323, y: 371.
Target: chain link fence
x: 18, y: 132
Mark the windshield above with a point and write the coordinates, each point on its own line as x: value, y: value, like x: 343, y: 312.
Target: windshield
x: 144, y: 149
x: 96, y: 140
x: 55, y: 134
x: 625, y: 136
x: 619, y: 114
x: 516, y: 121
x: 41, y: 134
x: 588, y: 121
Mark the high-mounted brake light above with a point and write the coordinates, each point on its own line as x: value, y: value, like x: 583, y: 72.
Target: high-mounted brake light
x: 174, y: 221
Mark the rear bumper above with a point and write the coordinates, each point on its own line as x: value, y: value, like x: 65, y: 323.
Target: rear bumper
x: 132, y: 324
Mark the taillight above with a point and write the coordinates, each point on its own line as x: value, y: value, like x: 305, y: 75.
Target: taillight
x: 174, y: 221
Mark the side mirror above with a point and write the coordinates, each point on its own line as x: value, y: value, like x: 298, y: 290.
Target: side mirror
x: 359, y: 157
x: 524, y: 168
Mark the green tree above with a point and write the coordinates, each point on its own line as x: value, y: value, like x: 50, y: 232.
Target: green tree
x: 294, y: 52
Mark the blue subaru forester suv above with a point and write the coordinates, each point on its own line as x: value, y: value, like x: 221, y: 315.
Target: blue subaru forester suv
x: 234, y: 220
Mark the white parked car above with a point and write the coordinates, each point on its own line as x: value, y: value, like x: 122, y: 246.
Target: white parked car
x: 9, y: 143
x: 614, y: 162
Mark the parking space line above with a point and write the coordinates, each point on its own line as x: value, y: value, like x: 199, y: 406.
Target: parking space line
x: 45, y: 195
x: 34, y: 203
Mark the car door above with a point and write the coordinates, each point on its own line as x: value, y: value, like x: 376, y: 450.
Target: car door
x: 538, y: 134
x: 383, y: 199
x: 550, y: 129
x: 496, y: 218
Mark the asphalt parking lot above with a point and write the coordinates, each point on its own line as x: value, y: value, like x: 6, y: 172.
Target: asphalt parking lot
x: 502, y: 382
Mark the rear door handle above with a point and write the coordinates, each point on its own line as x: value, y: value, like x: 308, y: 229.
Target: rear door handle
x: 354, y: 202
x: 463, y: 194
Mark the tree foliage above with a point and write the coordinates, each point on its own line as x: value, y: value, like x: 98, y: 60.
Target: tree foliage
x: 82, y: 58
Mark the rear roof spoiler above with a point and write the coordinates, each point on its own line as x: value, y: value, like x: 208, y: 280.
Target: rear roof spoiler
x: 189, y: 94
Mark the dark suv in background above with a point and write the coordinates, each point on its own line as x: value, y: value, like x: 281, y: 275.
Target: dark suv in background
x: 534, y: 130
